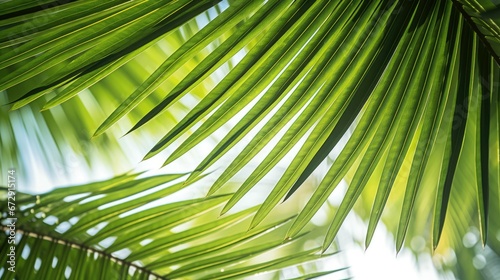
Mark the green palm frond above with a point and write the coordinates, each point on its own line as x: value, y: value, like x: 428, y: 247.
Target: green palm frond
x: 131, y: 228
x: 481, y: 15
x: 57, y: 143
x: 416, y: 81
x: 471, y: 259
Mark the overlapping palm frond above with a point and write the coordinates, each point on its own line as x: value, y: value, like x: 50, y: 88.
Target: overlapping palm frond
x: 57, y: 142
x: 409, y: 78
x: 130, y: 228
x: 482, y: 17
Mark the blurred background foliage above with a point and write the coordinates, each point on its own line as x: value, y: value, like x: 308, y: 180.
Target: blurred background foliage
x: 130, y: 227
x: 55, y: 146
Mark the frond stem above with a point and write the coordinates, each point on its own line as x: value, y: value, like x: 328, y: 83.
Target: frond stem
x: 476, y: 30
x: 87, y: 248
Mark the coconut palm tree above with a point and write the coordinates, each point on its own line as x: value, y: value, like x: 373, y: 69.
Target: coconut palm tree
x: 398, y: 98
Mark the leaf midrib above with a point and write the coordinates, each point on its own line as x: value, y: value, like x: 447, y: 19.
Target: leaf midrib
x: 82, y: 247
x: 476, y: 30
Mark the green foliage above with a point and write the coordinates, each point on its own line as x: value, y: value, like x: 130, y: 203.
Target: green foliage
x: 132, y: 228
x: 412, y: 85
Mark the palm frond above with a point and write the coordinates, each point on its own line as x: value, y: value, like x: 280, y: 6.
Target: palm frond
x: 479, y: 15
x: 57, y: 143
x: 130, y: 228
x: 409, y: 78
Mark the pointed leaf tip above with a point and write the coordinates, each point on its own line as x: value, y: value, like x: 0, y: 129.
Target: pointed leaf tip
x: 225, y: 209
x: 435, y: 245
x: 399, y: 246
x: 254, y: 223
x: 148, y: 156
x: 97, y: 133
x: 193, y: 176
x: 323, y: 250
x: 169, y: 160
x: 14, y: 107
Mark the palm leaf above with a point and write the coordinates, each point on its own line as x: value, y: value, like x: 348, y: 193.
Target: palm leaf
x: 125, y: 228
x: 402, y: 75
